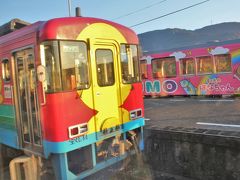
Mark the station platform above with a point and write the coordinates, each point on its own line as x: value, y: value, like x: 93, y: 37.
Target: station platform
x: 195, y: 112
x: 188, y: 138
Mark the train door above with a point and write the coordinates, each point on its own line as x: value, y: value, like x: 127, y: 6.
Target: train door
x: 27, y: 108
x: 106, y: 87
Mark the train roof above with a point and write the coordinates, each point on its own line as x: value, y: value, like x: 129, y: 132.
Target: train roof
x: 72, y: 26
x: 67, y: 28
x: 201, y: 50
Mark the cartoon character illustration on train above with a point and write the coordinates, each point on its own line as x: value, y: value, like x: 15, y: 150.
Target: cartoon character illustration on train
x: 199, y: 71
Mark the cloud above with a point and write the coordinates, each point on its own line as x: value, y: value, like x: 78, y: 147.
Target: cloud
x: 219, y: 50
x: 178, y: 55
x: 148, y: 58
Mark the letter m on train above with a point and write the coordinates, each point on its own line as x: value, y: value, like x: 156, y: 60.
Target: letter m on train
x: 152, y: 86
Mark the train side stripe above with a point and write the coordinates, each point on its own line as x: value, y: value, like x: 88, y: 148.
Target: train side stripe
x: 7, y: 117
x: 9, y: 137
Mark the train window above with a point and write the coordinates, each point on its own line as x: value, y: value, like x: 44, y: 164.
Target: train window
x: 129, y: 63
x: 143, y: 66
x: 74, y: 61
x: 169, y: 67
x: 6, y: 70
x: 50, y: 59
x: 105, y: 68
x: 223, y: 63
x: 205, y: 65
x: 157, y: 68
x: 187, y: 66
x: 164, y: 67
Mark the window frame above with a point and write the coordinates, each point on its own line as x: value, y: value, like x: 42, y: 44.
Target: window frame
x: 175, y: 65
x: 145, y: 66
x: 204, y: 73
x: 153, y: 72
x: 114, y: 78
x: 194, y: 66
x: 88, y: 63
x: 138, y: 64
x: 216, y: 65
x: 6, y: 80
x: 163, y: 74
x: 60, y: 64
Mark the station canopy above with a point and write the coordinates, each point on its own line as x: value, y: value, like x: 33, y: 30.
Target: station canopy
x: 12, y: 25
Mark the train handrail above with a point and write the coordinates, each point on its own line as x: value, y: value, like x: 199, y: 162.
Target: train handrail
x: 41, y: 78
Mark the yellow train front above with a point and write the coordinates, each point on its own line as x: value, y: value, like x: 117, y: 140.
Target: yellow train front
x: 71, y: 96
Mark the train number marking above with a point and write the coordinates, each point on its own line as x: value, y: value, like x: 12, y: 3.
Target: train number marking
x: 78, y: 139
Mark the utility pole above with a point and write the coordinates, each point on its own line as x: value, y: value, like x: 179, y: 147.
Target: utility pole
x: 69, y: 7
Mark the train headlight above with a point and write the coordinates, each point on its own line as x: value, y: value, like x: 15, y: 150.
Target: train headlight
x: 135, y: 114
x: 77, y: 130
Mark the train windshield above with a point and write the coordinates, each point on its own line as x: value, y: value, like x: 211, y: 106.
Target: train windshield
x: 129, y: 63
x: 66, y: 65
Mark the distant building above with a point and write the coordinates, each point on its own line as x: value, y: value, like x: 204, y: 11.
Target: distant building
x: 12, y: 25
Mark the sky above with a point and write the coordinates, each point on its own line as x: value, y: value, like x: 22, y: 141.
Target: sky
x: 210, y: 12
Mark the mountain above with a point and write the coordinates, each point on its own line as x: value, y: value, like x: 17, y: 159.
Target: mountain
x: 169, y: 39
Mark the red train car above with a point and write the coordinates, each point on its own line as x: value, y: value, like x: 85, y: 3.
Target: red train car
x: 70, y: 97
x: 211, y: 70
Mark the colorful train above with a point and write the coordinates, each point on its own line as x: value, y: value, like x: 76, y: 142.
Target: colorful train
x: 213, y: 70
x: 70, y: 97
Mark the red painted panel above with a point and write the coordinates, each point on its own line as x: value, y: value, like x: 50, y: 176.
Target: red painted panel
x: 134, y: 99
x: 61, y: 111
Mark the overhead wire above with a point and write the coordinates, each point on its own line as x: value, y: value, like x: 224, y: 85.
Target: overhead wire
x: 188, y: 7
x: 142, y: 9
